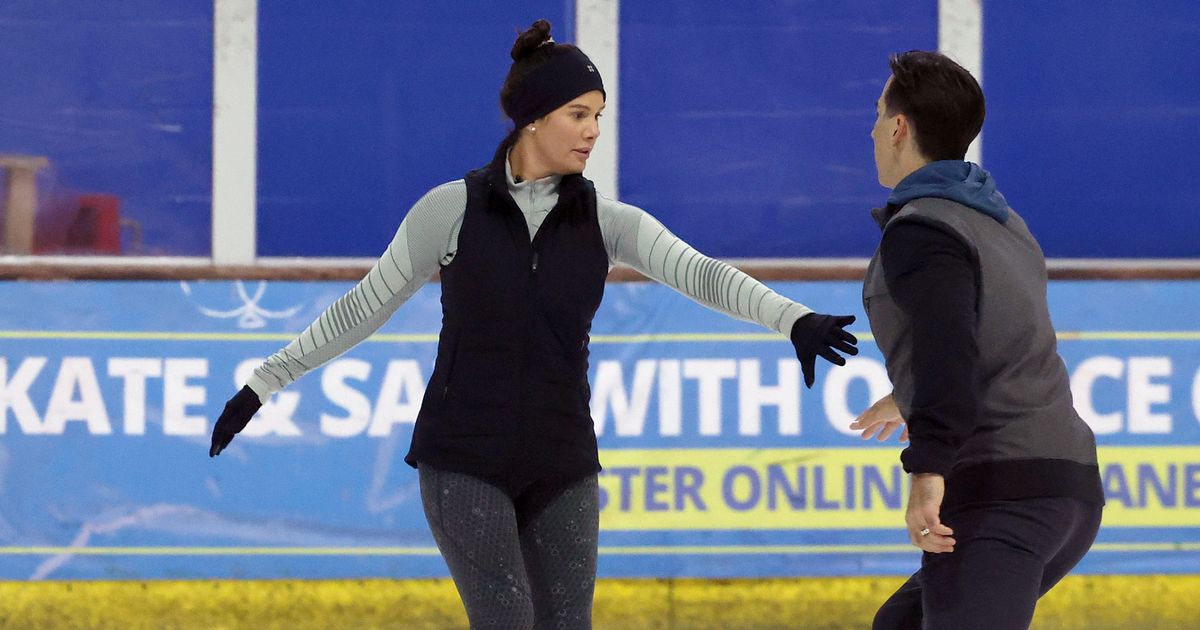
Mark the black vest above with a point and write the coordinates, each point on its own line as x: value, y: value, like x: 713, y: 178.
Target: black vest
x: 508, y: 400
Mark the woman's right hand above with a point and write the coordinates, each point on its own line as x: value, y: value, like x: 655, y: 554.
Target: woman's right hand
x: 881, y: 420
x: 234, y: 418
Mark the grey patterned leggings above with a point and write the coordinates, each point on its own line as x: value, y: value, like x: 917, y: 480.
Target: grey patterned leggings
x: 522, y: 563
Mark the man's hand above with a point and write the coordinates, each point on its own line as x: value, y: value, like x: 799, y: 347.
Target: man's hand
x: 816, y: 335
x: 882, y: 419
x: 234, y: 418
x: 925, y: 527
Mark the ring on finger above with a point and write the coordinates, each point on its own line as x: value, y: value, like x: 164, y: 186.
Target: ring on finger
x: 924, y: 532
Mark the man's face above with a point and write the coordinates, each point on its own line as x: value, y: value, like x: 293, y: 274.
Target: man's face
x: 882, y: 136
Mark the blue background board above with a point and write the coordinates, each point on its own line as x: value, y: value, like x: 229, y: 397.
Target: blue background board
x: 1093, y: 120
x: 159, y: 492
x: 366, y: 105
x: 119, y: 96
x: 743, y: 126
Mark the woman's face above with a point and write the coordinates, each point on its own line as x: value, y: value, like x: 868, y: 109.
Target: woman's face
x: 563, y: 139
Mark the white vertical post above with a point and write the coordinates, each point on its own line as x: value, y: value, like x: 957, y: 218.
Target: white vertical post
x: 960, y: 37
x: 597, y: 33
x: 235, y: 131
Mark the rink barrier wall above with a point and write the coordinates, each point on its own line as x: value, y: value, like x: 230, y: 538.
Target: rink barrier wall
x: 300, y: 269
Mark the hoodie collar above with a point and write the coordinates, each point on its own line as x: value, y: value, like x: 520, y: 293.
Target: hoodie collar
x: 962, y: 182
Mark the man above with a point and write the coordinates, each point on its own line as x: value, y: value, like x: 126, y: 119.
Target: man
x: 1006, y: 495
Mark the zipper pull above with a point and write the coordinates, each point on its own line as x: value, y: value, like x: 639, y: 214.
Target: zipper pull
x: 535, y: 257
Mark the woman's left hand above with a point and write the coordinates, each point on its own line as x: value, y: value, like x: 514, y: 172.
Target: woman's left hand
x: 817, y: 335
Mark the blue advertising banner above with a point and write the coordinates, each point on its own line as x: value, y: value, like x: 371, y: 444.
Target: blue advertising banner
x: 718, y: 462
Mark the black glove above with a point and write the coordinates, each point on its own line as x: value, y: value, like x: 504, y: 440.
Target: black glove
x: 816, y: 335
x: 234, y: 418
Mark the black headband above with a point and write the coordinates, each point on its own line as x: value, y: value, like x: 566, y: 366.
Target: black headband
x: 551, y: 84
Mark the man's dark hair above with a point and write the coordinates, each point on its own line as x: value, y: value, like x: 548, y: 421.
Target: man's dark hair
x: 943, y: 101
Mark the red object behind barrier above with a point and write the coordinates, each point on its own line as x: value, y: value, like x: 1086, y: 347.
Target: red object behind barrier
x: 97, y: 225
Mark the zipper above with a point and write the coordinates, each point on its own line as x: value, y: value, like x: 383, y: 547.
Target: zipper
x: 535, y: 260
x: 450, y: 368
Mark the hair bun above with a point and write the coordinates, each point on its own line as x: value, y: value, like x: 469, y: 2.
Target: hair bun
x: 530, y: 40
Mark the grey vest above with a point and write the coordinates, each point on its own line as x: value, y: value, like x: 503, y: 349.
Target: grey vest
x: 1025, y: 408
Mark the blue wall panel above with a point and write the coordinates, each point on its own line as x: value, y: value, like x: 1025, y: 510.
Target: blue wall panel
x: 745, y: 127
x: 118, y: 95
x: 1094, y: 120
x: 366, y: 105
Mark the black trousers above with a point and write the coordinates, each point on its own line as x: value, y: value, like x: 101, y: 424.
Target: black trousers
x: 518, y: 562
x: 1007, y: 554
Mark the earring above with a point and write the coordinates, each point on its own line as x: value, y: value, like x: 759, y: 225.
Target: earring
x: 532, y: 129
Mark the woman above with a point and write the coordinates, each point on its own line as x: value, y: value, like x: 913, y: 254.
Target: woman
x: 504, y: 442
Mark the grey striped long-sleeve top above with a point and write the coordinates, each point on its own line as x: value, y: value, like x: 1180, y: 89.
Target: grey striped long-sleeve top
x: 428, y: 238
